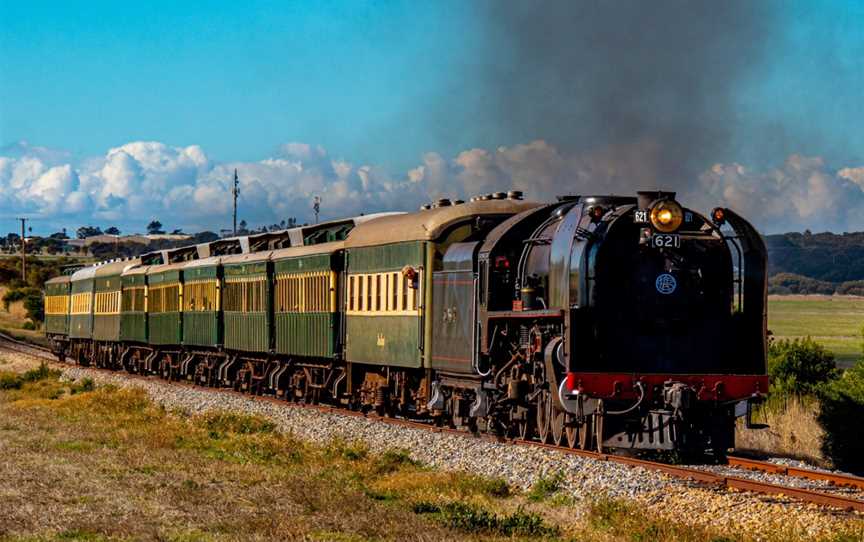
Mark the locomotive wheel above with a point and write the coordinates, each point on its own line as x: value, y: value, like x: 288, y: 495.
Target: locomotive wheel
x: 598, y: 431
x: 580, y: 435
x: 525, y: 427
x: 557, y: 422
x: 574, y: 433
x: 544, y: 416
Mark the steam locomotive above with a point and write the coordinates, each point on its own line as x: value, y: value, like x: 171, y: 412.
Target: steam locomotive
x: 594, y: 322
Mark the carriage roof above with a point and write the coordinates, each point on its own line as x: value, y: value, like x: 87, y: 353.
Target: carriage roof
x: 429, y: 224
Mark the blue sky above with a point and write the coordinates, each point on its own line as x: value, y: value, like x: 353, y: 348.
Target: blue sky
x: 128, y: 110
x: 237, y: 77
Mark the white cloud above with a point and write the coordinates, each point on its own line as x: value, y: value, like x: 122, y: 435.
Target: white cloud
x: 136, y: 182
x: 802, y: 193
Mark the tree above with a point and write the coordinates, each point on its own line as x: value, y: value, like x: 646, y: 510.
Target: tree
x: 154, y: 228
x: 87, y: 231
x: 178, y: 231
x: 52, y: 245
x: 204, y: 237
x: 241, y: 227
x: 60, y: 235
x: 800, y: 366
x: 112, y: 231
x: 292, y: 222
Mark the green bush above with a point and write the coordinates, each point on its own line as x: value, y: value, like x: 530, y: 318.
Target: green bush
x: 546, y: 486
x: 475, y: 519
x: 799, y: 366
x: 790, y: 283
x: 840, y: 416
x: 33, y: 302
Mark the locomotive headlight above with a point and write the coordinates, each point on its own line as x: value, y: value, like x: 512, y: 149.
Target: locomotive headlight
x: 666, y: 216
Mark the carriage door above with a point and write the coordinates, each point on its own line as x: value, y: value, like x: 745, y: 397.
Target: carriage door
x: 454, y: 310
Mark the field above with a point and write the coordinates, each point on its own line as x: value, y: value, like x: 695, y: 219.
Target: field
x: 833, y: 321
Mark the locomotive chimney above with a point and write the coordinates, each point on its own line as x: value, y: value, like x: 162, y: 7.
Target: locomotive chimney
x: 646, y: 198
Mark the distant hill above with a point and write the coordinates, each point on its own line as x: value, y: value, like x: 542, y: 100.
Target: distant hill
x: 816, y: 263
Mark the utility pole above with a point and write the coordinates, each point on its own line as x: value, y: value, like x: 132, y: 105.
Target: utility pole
x: 316, y: 206
x: 235, y: 192
x: 23, y: 249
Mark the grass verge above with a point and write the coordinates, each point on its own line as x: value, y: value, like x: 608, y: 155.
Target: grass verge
x: 101, y: 463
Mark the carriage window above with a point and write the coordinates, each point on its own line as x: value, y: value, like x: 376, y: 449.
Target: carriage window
x: 378, y: 292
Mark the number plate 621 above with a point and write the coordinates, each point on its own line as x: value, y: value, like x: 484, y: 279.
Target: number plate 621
x: 666, y: 240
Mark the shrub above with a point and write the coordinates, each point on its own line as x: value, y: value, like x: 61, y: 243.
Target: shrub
x: 799, y: 366
x: 32, y: 298
x: 471, y: 518
x: 841, y: 415
x: 391, y: 461
x: 14, y: 381
x: 84, y: 386
x: 35, y: 307
x: 352, y: 451
x: 546, y: 487
x: 219, y: 424
x: 790, y: 283
x: 42, y: 373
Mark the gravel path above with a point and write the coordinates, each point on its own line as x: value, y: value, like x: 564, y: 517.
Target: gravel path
x: 582, y: 478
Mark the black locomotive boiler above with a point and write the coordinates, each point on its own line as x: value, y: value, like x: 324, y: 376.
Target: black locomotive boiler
x: 595, y: 322
x: 607, y: 322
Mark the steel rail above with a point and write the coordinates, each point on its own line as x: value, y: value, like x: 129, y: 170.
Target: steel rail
x: 836, y: 479
x: 702, y: 477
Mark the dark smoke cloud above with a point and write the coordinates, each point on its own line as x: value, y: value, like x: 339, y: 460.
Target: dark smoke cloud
x: 608, y: 77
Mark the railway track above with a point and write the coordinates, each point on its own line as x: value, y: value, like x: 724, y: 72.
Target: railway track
x: 819, y: 496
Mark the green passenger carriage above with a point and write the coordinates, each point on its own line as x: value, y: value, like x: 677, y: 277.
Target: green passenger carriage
x: 246, y: 302
x: 202, y: 299
x: 389, y: 268
x: 133, y: 305
x: 106, y: 301
x: 390, y: 263
x: 81, y: 308
x: 57, y: 300
x: 384, y: 305
x: 307, y: 314
x: 165, y: 304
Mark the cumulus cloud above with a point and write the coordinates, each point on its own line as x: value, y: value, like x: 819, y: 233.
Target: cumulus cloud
x: 802, y: 193
x: 181, y: 186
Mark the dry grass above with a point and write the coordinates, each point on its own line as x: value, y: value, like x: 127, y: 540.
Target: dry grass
x: 12, y: 321
x: 794, y: 430
x: 108, y: 464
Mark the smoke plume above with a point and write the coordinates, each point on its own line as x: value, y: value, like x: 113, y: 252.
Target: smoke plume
x: 623, y: 80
